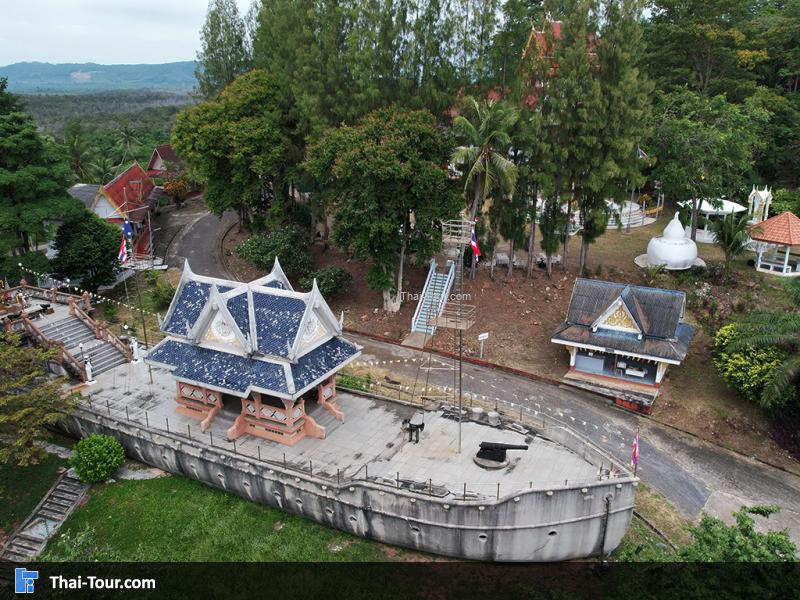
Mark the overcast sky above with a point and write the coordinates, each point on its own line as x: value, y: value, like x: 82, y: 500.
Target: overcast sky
x: 101, y: 31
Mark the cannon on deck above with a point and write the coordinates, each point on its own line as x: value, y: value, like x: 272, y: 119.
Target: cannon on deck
x: 492, y: 455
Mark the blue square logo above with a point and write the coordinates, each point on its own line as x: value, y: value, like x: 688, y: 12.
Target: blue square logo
x: 23, y: 580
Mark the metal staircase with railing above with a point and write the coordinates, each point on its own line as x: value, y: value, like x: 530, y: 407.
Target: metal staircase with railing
x: 433, y: 298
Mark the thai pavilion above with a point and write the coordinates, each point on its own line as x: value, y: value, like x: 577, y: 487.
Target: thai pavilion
x: 777, y: 240
x: 623, y: 337
x: 259, y: 344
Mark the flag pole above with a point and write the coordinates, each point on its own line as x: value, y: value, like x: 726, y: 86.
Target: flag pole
x: 636, y: 464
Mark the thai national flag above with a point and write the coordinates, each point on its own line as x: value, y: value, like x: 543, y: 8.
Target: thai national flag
x: 127, y: 229
x: 122, y: 255
x: 641, y: 153
x: 635, y: 451
x: 476, y: 252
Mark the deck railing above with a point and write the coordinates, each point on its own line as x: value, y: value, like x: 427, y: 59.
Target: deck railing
x: 65, y: 357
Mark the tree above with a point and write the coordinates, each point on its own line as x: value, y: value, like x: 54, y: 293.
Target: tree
x: 714, y: 541
x: 225, y: 52
x: 486, y: 168
x: 552, y: 224
x: 29, y: 400
x: 126, y: 140
x: 177, y: 188
x: 9, y: 103
x: 730, y: 235
x: 87, y: 250
x: 779, y: 331
x: 34, y: 177
x: 241, y: 145
x: 288, y: 244
x: 385, y: 173
x: 704, y: 146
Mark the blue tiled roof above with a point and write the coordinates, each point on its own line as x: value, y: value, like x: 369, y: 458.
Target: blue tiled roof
x: 277, y: 320
x: 237, y: 306
x: 321, y: 360
x: 190, y: 302
x: 219, y: 369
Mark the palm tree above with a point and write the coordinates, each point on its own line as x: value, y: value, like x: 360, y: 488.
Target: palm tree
x: 484, y: 160
x: 730, y: 234
x: 769, y: 330
x: 126, y: 140
x: 101, y: 170
x: 79, y: 155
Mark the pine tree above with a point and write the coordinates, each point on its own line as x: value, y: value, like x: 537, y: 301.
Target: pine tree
x: 225, y: 51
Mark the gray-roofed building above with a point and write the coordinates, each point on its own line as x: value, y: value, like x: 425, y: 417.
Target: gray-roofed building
x: 622, y: 338
x: 260, y: 346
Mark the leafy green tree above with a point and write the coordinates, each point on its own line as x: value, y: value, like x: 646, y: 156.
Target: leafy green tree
x: 241, y: 145
x: 331, y: 281
x: 704, y: 146
x: 225, y: 51
x: 9, y: 103
x: 716, y: 542
x: 87, y: 250
x: 383, y: 172
x: 34, y: 177
x: 30, y: 401
x: 101, y: 170
x: 730, y: 235
x: 552, y: 224
x: 761, y: 357
x: 97, y: 457
x: 288, y: 244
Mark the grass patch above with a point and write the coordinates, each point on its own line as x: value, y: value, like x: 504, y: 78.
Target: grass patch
x: 21, y: 489
x: 178, y: 519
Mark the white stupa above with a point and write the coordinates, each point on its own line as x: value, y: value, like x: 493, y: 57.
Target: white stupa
x: 673, y: 249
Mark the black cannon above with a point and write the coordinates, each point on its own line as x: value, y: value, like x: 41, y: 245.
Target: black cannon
x: 496, y: 452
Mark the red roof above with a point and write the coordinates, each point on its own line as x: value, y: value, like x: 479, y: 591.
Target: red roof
x: 166, y: 153
x: 783, y: 229
x: 130, y: 190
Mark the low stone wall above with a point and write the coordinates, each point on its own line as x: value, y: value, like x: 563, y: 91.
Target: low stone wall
x: 547, y: 524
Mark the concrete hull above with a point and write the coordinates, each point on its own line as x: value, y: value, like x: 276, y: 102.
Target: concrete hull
x: 536, y: 525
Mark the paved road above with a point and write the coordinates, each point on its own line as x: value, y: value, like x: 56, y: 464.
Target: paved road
x: 694, y: 475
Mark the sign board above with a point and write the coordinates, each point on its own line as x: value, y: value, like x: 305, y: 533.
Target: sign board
x: 483, y: 336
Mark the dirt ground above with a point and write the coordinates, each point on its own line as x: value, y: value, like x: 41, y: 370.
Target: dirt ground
x: 520, y: 313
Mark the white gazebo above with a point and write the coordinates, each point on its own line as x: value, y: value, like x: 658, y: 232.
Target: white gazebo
x: 711, y: 210
x: 775, y: 238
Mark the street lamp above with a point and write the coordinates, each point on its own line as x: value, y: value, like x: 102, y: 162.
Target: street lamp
x: 80, y: 347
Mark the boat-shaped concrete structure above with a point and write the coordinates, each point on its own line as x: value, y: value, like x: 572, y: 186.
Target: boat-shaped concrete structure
x: 561, y: 499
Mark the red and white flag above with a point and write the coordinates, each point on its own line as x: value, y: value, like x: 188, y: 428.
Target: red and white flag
x: 476, y: 251
x: 122, y: 255
x: 635, y: 451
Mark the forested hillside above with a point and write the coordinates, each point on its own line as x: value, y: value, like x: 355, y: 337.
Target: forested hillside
x: 37, y: 77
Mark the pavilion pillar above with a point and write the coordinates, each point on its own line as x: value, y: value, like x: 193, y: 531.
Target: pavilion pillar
x: 326, y: 398
x: 759, y: 253
x: 573, y: 353
x: 786, y: 260
x: 661, y: 371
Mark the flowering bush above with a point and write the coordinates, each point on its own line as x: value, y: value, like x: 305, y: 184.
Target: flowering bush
x: 749, y: 370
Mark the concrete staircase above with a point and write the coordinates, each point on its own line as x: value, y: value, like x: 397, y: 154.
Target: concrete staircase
x: 434, y: 296
x: 31, y: 538
x: 73, y: 332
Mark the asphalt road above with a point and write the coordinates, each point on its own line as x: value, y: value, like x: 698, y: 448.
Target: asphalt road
x: 694, y: 475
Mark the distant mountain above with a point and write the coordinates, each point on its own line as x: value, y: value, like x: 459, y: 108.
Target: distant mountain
x: 37, y: 77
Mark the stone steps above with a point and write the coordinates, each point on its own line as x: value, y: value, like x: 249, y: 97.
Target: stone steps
x: 31, y: 538
x: 73, y: 332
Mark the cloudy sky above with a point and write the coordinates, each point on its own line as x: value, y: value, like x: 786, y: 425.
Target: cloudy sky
x: 101, y: 31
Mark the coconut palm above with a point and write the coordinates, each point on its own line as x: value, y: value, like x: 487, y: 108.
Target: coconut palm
x: 126, y: 140
x: 730, y: 234
x: 774, y: 330
x: 483, y: 159
x: 79, y: 155
x: 101, y: 170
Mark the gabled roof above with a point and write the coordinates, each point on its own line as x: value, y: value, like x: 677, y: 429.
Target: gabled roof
x: 283, y: 343
x: 783, y: 229
x: 85, y: 192
x: 130, y: 191
x: 166, y: 153
x: 657, y: 314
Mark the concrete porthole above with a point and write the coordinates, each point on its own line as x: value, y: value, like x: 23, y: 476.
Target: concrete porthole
x: 549, y: 492
x: 329, y: 511
x: 246, y: 483
x: 277, y: 495
x: 481, y: 508
x: 483, y: 538
x: 299, y: 502
x: 552, y: 533
x: 353, y: 519
x: 220, y: 475
x: 415, y: 530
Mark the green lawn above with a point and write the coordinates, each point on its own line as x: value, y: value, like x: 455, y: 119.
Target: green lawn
x: 178, y: 519
x: 21, y: 489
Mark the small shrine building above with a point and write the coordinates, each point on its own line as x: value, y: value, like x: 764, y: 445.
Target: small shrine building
x: 260, y: 344
x: 624, y: 333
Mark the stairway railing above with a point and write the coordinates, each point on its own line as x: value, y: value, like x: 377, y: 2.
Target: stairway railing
x: 415, y: 318
x: 101, y: 331
x: 65, y: 356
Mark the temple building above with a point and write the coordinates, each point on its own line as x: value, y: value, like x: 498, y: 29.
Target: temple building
x: 260, y: 345
x: 622, y: 338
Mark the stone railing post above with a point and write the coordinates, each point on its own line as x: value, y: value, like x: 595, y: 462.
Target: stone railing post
x: 53, y: 295
x: 87, y: 303
x: 71, y: 303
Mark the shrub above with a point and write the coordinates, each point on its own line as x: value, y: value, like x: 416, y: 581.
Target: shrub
x: 110, y: 312
x: 97, y: 457
x: 783, y: 200
x: 289, y: 244
x: 162, y: 294
x: 331, y: 281
x: 747, y: 371
x: 354, y: 382
x: 792, y: 287
x: 151, y: 275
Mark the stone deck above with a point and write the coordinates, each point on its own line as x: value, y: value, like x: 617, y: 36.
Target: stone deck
x: 369, y: 443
